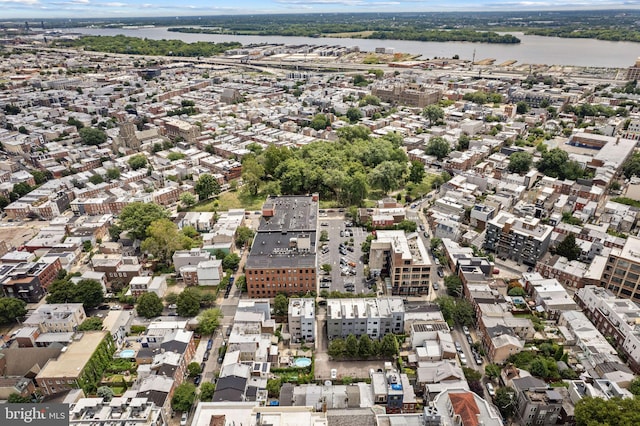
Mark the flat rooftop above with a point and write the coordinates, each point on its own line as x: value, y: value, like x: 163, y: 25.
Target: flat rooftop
x: 71, y: 362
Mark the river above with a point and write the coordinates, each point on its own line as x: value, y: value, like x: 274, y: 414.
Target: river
x: 532, y: 49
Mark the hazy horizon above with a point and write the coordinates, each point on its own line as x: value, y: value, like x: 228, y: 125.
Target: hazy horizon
x: 74, y: 9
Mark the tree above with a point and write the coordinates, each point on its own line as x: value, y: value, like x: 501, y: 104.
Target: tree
x: 4, y: 202
x: 244, y: 236
x: 91, y: 136
x: 281, y: 305
x: 387, y: 175
x: 21, y: 189
x: 326, y: 267
x: 438, y: 147
x: 105, y: 392
x: 556, y: 163
x: 520, y: 162
x: 454, y: 285
x: 137, y: 161
x: 91, y: 324
x: 96, y: 179
x: 207, y: 186
x: 149, y: 305
x: 207, y: 389
x: 433, y: 113
x: 568, y: 248
x: 389, y: 345
x: 209, y: 320
x: 231, y: 261
x: 113, y: 174
x: 252, y: 174
x: 16, y: 398
x: 337, y: 348
x: 463, y: 142
x: 365, y: 346
x: 188, y: 303
x: 354, y: 114
x: 320, y: 122
x: 539, y: 368
x: 171, y: 298
x: 591, y: 411
x: 11, y: 309
x: 183, y: 397
x: 416, y: 172
x: 136, y: 218
x: 504, y: 400
x: 631, y: 167
x: 447, y: 306
x: 351, y: 346
x: 492, y: 371
x: 522, y: 107
x: 634, y: 386
x: 471, y: 375
x: 89, y: 293
x: 164, y: 239
x: 188, y: 199
x: 463, y: 313
x: 194, y: 369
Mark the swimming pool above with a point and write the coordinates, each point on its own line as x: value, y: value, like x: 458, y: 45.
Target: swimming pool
x: 127, y: 353
x: 302, y: 362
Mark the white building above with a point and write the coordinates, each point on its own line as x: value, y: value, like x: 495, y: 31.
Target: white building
x: 302, y: 321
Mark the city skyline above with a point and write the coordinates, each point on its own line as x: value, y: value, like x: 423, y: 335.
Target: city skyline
x: 43, y: 9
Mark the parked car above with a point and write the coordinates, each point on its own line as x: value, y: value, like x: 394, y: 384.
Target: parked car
x: 478, y: 359
x: 458, y: 346
x: 436, y: 287
x: 197, y: 379
x: 104, y: 307
x: 469, y: 339
x: 490, y: 389
x: 463, y: 358
x: 206, y: 356
x: 465, y: 329
x: 334, y: 374
x: 183, y: 419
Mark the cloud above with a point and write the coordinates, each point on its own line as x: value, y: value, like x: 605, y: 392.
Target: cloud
x: 25, y: 2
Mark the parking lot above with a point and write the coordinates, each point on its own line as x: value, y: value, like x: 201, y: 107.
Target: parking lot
x: 349, y: 260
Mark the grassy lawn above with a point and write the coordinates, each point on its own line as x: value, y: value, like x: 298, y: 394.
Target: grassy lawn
x: 231, y: 200
x: 355, y: 34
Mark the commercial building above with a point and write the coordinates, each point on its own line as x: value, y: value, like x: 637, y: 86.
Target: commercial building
x: 283, y: 255
x: 622, y: 272
x: 302, y: 319
x: 74, y: 367
x: 404, y: 259
x: 374, y: 317
x: 524, y: 240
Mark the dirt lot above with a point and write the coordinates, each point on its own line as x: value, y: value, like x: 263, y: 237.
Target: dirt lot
x: 17, y: 235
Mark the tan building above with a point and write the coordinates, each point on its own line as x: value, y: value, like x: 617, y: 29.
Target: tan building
x: 622, y: 272
x: 413, y: 95
x: 74, y: 367
x: 403, y: 259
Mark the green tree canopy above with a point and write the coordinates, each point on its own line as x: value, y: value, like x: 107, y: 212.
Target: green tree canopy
x: 183, y: 397
x: 16, y: 398
x: 454, y: 285
x: 320, y: 122
x: 188, y: 199
x: 416, y: 172
x: 351, y: 346
x: 337, y: 348
x: 209, y: 320
x: 433, y: 113
x: 244, y: 236
x: 188, y: 303
x: 92, y: 136
x: 231, y: 261
x: 568, y: 248
x: 91, y: 324
x: 11, y: 309
x: 520, y: 162
x: 556, y: 163
x: 354, y: 114
x: 281, y: 305
x: 87, y: 292
x: 365, y: 346
x: 137, y: 161
x: 207, y: 390
x: 194, y: 369
x: 505, y: 400
x: 389, y: 345
x: 113, y: 174
x: 136, y: 218
x: 438, y: 147
x: 149, y: 305
x: 615, y: 411
x: 105, y: 392
x: 207, y: 186
x: 164, y: 240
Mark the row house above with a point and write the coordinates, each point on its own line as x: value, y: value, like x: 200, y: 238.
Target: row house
x: 613, y: 317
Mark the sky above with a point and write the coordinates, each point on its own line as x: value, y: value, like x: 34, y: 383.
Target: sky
x: 38, y: 9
